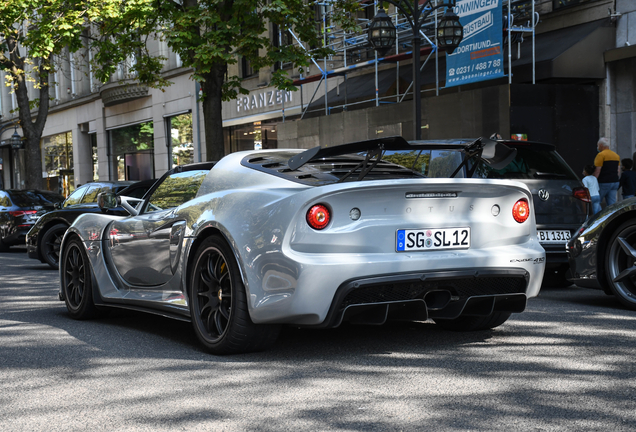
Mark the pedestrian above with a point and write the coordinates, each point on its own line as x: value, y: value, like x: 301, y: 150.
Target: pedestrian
x: 590, y: 182
x: 607, y: 171
x: 628, y: 178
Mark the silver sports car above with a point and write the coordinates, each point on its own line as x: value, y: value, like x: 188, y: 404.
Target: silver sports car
x: 313, y: 238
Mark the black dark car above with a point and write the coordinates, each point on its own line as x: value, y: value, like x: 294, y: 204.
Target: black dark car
x: 561, y: 202
x: 18, y: 210
x: 602, y: 253
x: 43, y: 240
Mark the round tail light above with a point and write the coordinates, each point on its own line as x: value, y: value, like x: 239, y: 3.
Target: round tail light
x: 318, y: 216
x: 521, y: 210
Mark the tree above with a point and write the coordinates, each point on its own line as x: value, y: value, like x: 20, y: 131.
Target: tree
x: 33, y: 32
x: 209, y: 35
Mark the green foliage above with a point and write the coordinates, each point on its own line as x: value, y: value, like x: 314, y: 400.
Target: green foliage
x: 415, y: 160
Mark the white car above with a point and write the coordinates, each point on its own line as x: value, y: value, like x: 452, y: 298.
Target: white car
x: 311, y: 238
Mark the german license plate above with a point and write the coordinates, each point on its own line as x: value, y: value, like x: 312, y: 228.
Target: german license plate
x: 432, y: 239
x: 553, y: 236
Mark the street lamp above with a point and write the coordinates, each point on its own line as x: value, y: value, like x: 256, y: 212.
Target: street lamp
x: 450, y: 32
x: 381, y: 32
x: 16, y: 140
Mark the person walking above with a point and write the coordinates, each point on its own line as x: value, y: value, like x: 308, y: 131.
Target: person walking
x: 628, y: 179
x: 590, y: 182
x: 607, y: 171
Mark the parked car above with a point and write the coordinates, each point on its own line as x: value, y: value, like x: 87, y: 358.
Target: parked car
x: 602, y: 253
x: 309, y: 238
x: 561, y: 202
x: 44, y: 238
x: 17, y: 213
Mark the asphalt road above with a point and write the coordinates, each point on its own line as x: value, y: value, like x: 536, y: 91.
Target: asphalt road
x: 567, y: 363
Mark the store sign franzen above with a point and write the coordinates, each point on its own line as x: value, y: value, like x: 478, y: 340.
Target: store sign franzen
x: 264, y: 99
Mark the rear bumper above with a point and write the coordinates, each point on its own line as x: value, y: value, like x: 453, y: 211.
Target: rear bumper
x: 419, y: 296
x: 16, y: 237
x: 441, y: 284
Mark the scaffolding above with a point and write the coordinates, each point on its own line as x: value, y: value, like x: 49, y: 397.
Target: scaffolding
x: 352, y: 51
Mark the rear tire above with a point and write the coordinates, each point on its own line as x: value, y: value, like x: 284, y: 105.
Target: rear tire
x: 50, y: 245
x: 620, y: 264
x: 218, y: 303
x: 474, y: 323
x: 77, y: 282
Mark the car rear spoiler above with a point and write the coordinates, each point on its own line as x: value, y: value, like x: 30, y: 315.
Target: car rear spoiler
x: 494, y: 154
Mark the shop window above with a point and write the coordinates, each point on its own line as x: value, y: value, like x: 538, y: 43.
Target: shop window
x: 181, y: 139
x: 251, y: 136
x: 57, y: 162
x: 133, y: 151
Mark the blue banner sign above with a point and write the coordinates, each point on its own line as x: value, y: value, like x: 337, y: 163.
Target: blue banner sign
x: 480, y: 55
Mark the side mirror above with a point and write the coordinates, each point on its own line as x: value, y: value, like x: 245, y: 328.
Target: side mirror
x: 107, y: 200
x: 57, y: 205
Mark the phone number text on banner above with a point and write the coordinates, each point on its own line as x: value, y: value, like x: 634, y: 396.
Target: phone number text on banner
x: 480, y: 55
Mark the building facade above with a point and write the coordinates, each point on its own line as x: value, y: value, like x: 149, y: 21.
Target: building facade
x: 584, y: 87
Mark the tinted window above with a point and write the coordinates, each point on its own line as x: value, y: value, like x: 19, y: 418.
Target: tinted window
x: 531, y: 164
x: 28, y: 198
x: 415, y: 160
x: 176, y: 189
x: 431, y: 163
x: 75, y: 197
x: 93, y: 190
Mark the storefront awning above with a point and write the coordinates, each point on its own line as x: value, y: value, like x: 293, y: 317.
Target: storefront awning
x: 569, y: 53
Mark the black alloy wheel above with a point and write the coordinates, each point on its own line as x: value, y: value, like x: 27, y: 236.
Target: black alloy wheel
x: 218, y: 303
x: 620, y: 264
x: 50, y: 246
x: 77, y: 282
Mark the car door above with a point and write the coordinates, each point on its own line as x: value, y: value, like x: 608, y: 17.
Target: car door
x: 145, y: 248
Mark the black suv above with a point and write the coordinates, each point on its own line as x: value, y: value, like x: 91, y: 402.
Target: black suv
x: 18, y: 210
x: 561, y: 202
x: 43, y: 239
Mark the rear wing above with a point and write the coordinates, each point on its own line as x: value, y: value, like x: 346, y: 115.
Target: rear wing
x: 494, y: 154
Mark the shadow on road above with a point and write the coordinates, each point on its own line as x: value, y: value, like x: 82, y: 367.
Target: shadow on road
x: 565, y: 363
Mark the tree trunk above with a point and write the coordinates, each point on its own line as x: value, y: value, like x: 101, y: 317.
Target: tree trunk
x: 212, y: 112
x: 32, y: 130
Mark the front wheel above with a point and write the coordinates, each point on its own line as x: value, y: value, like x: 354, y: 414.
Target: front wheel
x: 77, y: 284
x: 620, y: 264
x: 474, y: 323
x: 218, y: 303
x: 50, y: 245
